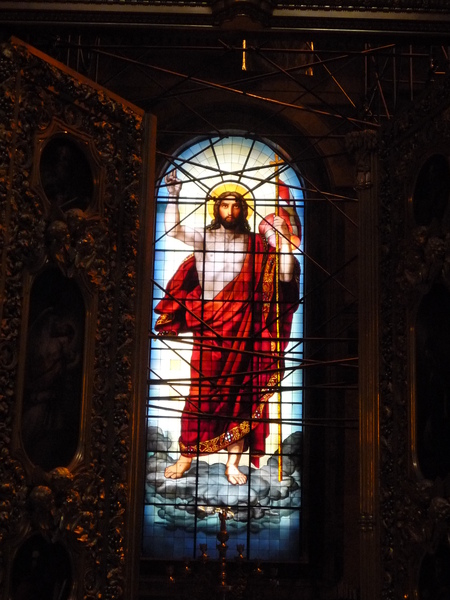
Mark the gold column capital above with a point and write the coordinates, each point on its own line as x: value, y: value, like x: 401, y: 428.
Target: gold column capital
x: 361, y: 145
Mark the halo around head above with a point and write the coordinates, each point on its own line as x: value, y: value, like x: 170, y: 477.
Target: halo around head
x: 230, y: 186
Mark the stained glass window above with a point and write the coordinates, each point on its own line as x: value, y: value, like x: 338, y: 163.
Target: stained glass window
x: 225, y: 380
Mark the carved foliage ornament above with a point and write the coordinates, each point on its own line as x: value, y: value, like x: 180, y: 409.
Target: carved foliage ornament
x: 414, y: 511
x: 84, y: 508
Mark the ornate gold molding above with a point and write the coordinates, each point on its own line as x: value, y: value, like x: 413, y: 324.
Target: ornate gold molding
x: 413, y: 510
x: 417, y: 16
x: 86, y: 504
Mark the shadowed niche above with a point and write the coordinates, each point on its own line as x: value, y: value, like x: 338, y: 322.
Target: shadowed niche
x: 432, y: 189
x: 41, y: 571
x: 66, y: 175
x: 54, y: 371
x: 434, y: 577
x: 433, y: 382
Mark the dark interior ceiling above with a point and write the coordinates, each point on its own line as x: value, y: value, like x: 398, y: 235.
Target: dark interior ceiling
x: 368, y: 60
x: 419, y: 17
x: 304, y: 74
x: 362, y: 78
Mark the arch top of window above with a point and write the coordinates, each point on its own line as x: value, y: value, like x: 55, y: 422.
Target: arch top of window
x: 259, y: 168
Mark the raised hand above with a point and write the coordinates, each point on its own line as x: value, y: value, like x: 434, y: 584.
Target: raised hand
x: 173, y: 184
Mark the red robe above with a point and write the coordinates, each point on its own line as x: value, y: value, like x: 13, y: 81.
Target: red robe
x: 236, y: 365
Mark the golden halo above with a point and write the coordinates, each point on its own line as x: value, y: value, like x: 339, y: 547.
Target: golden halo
x: 230, y: 186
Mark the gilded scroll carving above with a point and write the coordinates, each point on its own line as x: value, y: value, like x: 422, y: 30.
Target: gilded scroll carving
x: 78, y: 244
x: 95, y: 243
x: 426, y: 257
x: 415, y: 255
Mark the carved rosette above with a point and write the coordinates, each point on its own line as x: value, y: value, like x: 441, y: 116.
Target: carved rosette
x: 414, y: 512
x: 84, y: 507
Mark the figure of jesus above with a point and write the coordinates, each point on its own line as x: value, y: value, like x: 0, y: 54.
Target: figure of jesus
x: 236, y: 294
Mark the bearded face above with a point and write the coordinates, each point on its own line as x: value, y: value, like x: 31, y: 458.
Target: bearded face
x: 230, y: 211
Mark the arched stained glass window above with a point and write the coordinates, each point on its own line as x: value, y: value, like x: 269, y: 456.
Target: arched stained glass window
x: 224, y: 410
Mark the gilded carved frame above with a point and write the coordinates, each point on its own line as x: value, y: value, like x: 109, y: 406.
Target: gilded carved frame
x: 412, y: 514
x: 88, y: 506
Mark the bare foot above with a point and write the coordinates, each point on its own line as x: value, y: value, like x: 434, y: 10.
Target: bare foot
x: 234, y: 476
x: 177, y: 470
